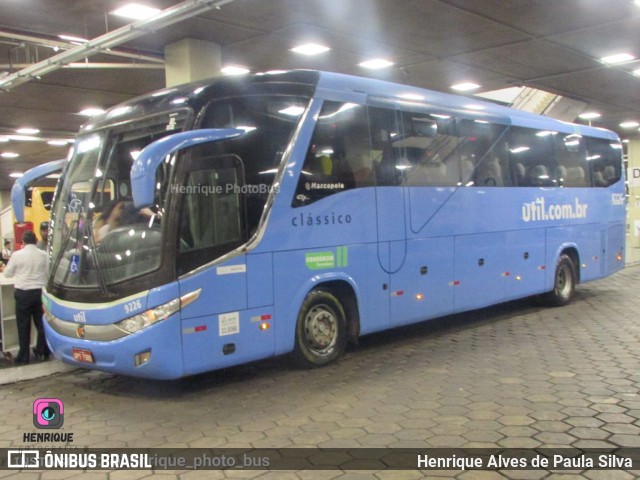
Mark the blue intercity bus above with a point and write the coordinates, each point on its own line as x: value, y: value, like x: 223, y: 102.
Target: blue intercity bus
x: 230, y: 220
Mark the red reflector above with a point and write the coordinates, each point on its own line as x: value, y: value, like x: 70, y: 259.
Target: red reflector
x: 455, y: 283
x: 506, y: 274
x: 200, y: 328
x: 265, y: 317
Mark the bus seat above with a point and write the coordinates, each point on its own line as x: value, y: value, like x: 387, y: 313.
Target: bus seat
x: 575, y: 177
x: 598, y: 179
x: 466, y: 171
x: 519, y: 173
x: 609, y: 174
x: 432, y: 173
x: 539, y: 176
x: 490, y: 174
x: 561, y: 175
x: 362, y: 176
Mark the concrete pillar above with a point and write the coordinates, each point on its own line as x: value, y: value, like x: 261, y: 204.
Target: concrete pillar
x: 190, y: 59
x: 633, y: 216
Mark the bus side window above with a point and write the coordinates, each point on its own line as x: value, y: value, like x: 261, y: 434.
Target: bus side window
x: 532, y: 159
x: 483, y: 161
x: 385, y: 127
x: 339, y: 156
x: 604, y: 160
x: 570, y: 153
x: 431, y: 147
x: 211, y: 218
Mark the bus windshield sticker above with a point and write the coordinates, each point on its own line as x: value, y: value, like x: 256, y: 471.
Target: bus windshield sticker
x: 74, y: 264
x: 324, y: 260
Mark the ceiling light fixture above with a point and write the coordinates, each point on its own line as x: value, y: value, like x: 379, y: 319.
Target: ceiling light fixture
x: 310, y: 49
x: 27, y: 131
x: 589, y: 115
x: 91, y: 112
x: 629, y: 124
x: 234, y: 70
x: 9, y: 155
x: 465, y: 86
x: 136, y: 11
x: 617, y: 58
x: 376, y: 63
x: 16, y: 174
x: 72, y: 39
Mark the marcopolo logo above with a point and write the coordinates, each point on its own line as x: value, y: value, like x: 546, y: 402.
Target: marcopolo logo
x: 48, y: 413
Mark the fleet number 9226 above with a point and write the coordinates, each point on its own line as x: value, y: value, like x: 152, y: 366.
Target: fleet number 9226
x: 132, y: 306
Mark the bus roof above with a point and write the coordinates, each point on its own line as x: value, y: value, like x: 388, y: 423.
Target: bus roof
x: 324, y: 84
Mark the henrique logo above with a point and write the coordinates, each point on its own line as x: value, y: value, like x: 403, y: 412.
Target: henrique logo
x: 48, y: 413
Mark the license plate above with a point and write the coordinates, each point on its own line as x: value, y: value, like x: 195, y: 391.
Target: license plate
x: 82, y: 355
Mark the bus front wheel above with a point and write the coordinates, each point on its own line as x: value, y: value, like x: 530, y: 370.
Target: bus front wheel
x: 321, y: 330
x: 564, y: 284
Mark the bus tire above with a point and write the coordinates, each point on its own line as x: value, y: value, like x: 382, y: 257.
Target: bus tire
x: 321, y: 330
x: 564, y: 282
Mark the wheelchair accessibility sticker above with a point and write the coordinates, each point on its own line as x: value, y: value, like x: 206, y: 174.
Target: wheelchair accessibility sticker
x: 74, y: 265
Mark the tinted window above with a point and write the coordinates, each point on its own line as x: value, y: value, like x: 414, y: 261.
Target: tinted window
x: 604, y: 158
x: 339, y: 155
x: 531, y: 157
x: 570, y: 152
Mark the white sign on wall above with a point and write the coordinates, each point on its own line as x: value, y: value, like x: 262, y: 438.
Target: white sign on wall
x: 634, y: 176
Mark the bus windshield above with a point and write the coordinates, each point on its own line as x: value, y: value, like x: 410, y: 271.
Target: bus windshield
x: 217, y: 192
x: 98, y: 237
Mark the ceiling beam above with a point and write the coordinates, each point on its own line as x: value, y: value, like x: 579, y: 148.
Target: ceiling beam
x: 169, y: 16
x: 56, y: 45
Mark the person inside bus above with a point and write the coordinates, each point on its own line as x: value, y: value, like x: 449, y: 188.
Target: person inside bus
x: 44, y: 236
x: 6, y: 252
x: 109, y: 219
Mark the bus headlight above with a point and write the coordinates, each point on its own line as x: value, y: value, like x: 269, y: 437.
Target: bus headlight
x: 154, y: 315
x: 148, y: 318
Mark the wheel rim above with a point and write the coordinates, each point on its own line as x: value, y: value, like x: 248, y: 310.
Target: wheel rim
x: 321, y: 329
x: 564, y: 281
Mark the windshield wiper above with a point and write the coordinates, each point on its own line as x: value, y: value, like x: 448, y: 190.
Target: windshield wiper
x: 92, y: 248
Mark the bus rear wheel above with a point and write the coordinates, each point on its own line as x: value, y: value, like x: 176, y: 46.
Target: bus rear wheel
x: 321, y: 330
x: 564, y: 284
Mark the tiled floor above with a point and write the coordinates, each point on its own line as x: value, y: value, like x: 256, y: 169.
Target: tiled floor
x: 516, y: 375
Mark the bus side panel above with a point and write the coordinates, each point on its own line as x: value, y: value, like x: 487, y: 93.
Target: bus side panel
x: 615, y: 248
x: 217, y: 328
x: 525, y: 262
x: 227, y: 339
x: 259, y: 279
x: 480, y: 268
x: 422, y: 288
x: 298, y: 272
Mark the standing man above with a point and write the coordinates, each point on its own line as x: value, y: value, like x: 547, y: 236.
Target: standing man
x: 44, y: 235
x: 29, y: 266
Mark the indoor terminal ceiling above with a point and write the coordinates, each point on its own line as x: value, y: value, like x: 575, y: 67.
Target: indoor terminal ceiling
x: 552, y: 45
